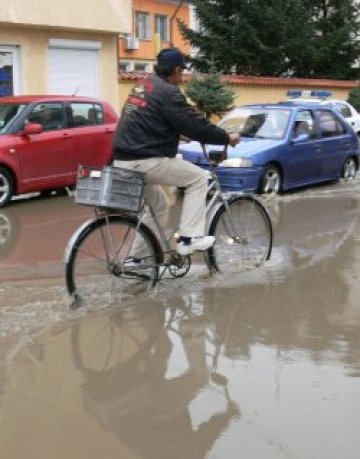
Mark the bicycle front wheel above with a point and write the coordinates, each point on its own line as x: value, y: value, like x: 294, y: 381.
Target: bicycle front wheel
x: 97, y: 265
x: 243, y: 236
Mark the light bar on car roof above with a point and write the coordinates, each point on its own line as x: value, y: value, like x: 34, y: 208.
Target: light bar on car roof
x: 319, y: 93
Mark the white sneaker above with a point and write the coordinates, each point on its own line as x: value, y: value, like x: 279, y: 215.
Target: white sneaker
x: 197, y: 244
x: 132, y: 262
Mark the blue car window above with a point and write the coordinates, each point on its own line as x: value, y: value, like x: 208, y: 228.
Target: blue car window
x: 329, y: 125
x: 304, y: 124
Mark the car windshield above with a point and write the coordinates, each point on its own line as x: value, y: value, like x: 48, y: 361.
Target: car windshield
x: 257, y: 122
x: 7, y: 113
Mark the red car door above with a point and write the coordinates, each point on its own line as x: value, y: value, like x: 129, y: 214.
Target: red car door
x: 45, y: 158
x: 92, y: 139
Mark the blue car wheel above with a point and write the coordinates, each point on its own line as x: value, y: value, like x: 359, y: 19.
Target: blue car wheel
x: 349, y: 169
x: 270, y: 182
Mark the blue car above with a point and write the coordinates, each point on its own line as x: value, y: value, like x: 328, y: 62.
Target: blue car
x: 283, y: 146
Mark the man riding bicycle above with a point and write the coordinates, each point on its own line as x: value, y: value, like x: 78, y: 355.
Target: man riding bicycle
x: 154, y: 117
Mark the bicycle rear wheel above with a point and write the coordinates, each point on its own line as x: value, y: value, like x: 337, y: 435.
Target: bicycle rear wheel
x: 243, y: 236
x: 96, y: 267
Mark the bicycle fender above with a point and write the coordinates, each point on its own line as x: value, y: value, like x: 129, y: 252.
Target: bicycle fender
x: 74, y: 237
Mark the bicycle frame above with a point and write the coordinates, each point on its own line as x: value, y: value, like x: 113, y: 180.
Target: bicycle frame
x: 216, y: 200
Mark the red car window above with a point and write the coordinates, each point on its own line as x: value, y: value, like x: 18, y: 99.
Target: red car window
x: 85, y: 114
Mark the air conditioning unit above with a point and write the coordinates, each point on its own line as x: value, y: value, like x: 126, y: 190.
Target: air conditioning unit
x: 131, y: 42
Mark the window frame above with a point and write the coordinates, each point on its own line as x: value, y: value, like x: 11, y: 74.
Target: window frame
x: 126, y: 65
x: 138, y: 28
x: 146, y: 67
x: 48, y: 105
x: 162, y: 16
x: 16, y: 75
x: 340, y: 128
x: 309, y: 119
x: 96, y: 107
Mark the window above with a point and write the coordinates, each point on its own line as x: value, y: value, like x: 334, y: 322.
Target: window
x: 142, y: 25
x: 9, y: 71
x: 304, y: 124
x: 8, y: 113
x: 161, y: 26
x: 257, y: 122
x: 123, y: 67
x: 343, y: 109
x: 50, y: 115
x: 329, y: 125
x: 84, y: 114
x: 139, y: 67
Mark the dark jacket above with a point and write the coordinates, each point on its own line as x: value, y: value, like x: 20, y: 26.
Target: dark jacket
x: 156, y: 113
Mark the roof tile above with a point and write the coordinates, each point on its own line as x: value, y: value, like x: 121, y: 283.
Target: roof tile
x: 244, y: 80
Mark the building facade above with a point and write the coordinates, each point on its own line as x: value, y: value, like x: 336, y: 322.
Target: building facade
x: 64, y: 47
x: 153, y: 27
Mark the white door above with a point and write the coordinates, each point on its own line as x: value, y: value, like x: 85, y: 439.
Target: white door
x: 74, y: 68
x: 10, y: 79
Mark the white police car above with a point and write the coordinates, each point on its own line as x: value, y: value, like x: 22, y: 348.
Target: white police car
x: 351, y: 115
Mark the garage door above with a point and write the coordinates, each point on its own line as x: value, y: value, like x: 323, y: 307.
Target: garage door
x: 74, y: 67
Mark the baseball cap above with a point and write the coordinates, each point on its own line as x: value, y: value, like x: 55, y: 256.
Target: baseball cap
x: 171, y: 57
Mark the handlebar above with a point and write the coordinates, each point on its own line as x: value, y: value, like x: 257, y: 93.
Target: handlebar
x: 215, y: 157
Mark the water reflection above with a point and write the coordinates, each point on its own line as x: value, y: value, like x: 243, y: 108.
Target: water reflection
x: 33, y: 235
x: 314, y: 311
x: 311, y: 229
x: 189, y: 377
x: 150, y: 375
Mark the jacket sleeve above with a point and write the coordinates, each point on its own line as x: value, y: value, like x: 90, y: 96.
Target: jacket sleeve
x: 190, y: 123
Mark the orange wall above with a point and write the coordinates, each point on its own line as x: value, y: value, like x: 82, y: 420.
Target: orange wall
x: 147, y: 48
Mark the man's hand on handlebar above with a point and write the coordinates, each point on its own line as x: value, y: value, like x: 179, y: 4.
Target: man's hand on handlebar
x: 234, y: 139
x: 184, y: 139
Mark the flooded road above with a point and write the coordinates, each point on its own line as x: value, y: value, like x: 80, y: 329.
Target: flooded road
x: 263, y: 365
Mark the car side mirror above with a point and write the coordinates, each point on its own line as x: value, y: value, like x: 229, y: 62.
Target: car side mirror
x: 301, y: 138
x: 32, y: 128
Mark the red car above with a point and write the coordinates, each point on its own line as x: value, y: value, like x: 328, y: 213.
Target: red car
x: 43, y: 139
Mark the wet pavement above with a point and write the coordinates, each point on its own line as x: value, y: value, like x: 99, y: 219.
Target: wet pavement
x: 263, y: 365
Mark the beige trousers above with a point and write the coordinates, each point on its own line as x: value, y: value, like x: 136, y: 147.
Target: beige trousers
x: 179, y: 173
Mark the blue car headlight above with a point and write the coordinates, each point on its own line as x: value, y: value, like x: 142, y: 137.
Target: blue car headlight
x: 236, y: 162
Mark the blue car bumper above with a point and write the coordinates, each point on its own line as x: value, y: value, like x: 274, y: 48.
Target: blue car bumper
x: 238, y: 179
x: 231, y: 178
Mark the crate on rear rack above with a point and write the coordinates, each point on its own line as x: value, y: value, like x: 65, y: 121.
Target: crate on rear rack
x: 110, y: 187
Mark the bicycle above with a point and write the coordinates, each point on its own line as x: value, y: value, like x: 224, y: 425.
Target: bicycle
x: 98, y: 252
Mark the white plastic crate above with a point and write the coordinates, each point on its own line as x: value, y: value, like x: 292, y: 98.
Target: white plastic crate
x: 110, y: 187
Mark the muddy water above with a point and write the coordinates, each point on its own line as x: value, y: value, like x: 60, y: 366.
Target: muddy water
x: 263, y: 365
